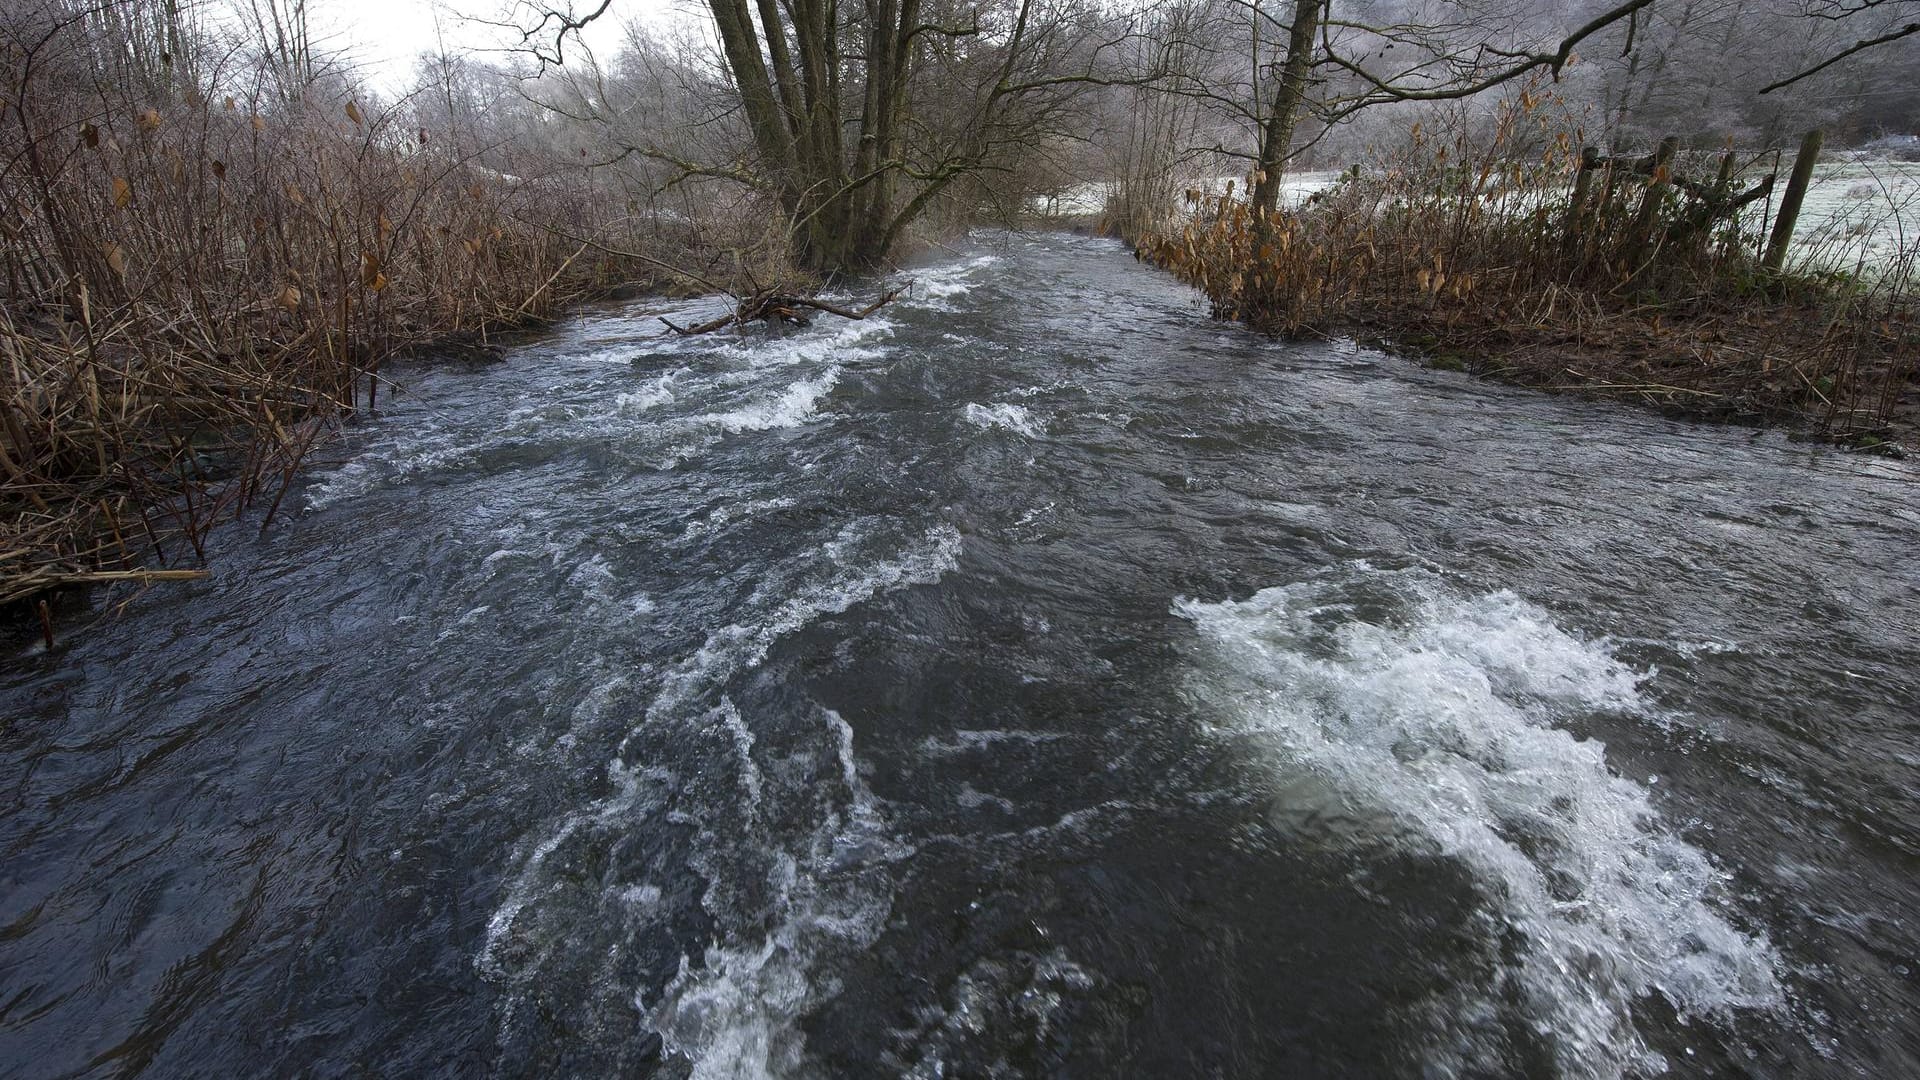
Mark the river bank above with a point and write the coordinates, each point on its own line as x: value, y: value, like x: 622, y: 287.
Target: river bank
x: 1613, y: 287
x: 125, y: 450
x: 988, y: 686
x: 1739, y: 367
x: 1714, y: 367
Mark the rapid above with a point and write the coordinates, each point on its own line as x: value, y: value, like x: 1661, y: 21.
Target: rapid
x: 1035, y: 678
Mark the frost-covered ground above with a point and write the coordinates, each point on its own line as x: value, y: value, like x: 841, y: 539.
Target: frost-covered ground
x: 1857, y: 213
x: 1861, y: 213
x: 1091, y: 197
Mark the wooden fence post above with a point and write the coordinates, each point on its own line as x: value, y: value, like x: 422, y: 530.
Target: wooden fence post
x: 1642, y: 232
x: 1582, y: 187
x: 1790, y: 202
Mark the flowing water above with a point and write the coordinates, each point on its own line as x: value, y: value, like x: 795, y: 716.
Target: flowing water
x: 1035, y: 679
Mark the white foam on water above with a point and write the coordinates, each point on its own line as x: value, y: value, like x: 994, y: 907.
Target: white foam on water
x: 1004, y: 415
x: 833, y: 341
x: 721, y: 516
x: 734, y: 1012
x: 791, y: 407
x: 931, y: 288
x: 657, y: 392
x: 728, y: 717
x: 1005, y: 999
x: 634, y: 792
x: 578, y: 403
x: 972, y: 798
x: 739, y: 646
x: 1396, y: 709
x: 970, y: 741
x: 734, y: 1015
x: 374, y: 470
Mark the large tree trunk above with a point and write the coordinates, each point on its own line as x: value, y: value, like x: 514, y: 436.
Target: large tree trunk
x: 849, y: 164
x: 838, y: 211
x: 1277, y: 136
x: 765, y: 117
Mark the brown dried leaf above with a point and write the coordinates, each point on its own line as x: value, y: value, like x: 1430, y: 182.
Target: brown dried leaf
x: 353, y: 113
x: 369, y: 268
x: 150, y: 120
x: 289, y: 298
x: 122, y: 192
x: 116, y: 258
x: 90, y: 135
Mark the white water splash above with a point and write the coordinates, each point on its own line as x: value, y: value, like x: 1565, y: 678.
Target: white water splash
x: 733, y: 1011
x: 964, y: 741
x: 934, y: 287
x: 837, y: 341
x: 724, y: 515
x: 657, y: 392
x: 577, y: 402
x: 791, y: 407
x: 1397, y: 710
x: 733, y: 1016
x: 1004, y: 415
x: 739, y: 646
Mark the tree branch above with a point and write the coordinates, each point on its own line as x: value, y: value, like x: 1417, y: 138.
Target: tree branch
x: 1856, y: 47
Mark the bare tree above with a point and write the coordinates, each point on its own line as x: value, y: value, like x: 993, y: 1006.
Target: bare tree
x: 860, y: 119
x: 1886, y: 13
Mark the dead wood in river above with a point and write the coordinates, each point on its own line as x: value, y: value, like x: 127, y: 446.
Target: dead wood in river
x: 771, y: 305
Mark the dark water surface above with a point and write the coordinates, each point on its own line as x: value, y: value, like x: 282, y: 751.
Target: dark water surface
x: 1034, y: 680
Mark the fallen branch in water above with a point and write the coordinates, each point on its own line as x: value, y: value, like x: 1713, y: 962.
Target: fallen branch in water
x: 773, y: 306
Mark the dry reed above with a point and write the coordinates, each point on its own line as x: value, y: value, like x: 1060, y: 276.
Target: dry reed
x: 1497, y: 251
x: 203, y: 269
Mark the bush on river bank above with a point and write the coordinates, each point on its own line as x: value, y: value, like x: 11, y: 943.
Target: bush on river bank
x: 1647, y: 286
x: 207, y: 260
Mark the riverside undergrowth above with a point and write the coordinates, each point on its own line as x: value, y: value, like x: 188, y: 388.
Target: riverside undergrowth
x: 212, y: 246
x: 1496, y: 251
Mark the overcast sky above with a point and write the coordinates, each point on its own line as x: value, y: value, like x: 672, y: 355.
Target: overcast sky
x: 385, y: 35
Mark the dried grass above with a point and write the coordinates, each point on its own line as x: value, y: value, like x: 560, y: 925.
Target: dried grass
x: 1475, y: 252
x: 201, y: 276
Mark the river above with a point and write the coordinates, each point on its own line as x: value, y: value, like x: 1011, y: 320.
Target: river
x: 1034, y: 679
